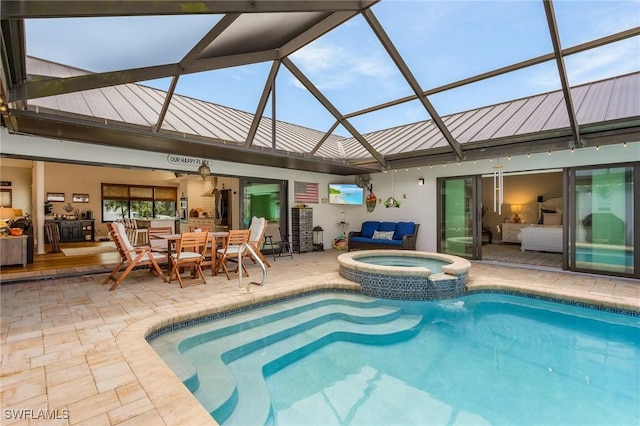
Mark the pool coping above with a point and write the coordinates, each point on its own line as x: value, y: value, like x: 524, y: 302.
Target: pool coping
x: 177, y: 405
x: 456, y: 267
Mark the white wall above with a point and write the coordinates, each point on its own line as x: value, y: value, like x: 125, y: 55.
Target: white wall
x: 20, y: 177
x: 419, y: 205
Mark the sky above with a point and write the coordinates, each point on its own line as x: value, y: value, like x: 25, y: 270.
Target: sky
x: 440, y: 41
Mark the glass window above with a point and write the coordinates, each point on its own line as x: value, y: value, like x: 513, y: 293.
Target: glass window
x: 165, y: 209
x: 133, y: 201
x: 114, y: 209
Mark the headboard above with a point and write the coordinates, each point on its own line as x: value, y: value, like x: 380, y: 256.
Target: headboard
x: 552, y: 204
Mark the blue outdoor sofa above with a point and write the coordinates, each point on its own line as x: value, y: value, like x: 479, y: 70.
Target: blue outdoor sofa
x: 384, y: 235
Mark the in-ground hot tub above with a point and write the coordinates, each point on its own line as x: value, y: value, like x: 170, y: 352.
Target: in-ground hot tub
x: 406, y: 274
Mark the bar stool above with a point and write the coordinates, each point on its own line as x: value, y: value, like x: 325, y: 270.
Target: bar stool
x: 138, y: 233
x: 53, y: 235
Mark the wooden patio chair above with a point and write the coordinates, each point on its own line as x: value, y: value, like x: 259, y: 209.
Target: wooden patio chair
x: 230, y: 251
x: 258, y: 227
x: 190, y: 251
x: 156, y: 238
x: 210, y: 253
x: 138, y: 235
x: 131, y: 256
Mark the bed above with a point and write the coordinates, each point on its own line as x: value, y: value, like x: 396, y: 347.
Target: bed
x: 548, y: 233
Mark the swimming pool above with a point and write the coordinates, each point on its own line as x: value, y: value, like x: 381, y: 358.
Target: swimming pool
x: 347, y: 359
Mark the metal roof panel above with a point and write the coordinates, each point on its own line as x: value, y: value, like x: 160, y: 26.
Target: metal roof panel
x: 596, y: 101
x: 484, y: 115
x: 513, y: 125
x: 626, y: 93
x: 126, y: 109
x: 610, y: 99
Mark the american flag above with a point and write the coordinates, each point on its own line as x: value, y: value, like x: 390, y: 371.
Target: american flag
x: 305, y: 192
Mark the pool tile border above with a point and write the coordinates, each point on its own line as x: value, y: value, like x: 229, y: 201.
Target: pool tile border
x: 579, y: 304
x: 241, y: 309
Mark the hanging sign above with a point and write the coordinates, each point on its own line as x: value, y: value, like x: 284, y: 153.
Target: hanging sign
x: 181, y: 160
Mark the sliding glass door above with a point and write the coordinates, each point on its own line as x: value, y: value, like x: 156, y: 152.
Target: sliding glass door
x: 264, y: 198
x: 602, y: 218
x: 459, y: 216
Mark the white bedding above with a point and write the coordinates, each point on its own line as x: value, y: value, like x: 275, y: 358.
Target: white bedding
x: 541, y: 238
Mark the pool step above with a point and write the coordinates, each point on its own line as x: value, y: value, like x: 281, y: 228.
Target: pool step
x: 253, y: 405
x: 221, y: 348
x: 235, y: 363
x: 196, y: 334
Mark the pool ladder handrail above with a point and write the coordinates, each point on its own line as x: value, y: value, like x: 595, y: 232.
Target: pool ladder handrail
x: 245, y: 246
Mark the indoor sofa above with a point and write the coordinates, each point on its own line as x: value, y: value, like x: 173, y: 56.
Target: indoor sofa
x: 384, y: 235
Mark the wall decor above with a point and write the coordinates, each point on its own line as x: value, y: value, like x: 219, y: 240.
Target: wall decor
x: 80, y: 198
x: 55, y: 197
x: 5, y: 198
x: 305, y: 192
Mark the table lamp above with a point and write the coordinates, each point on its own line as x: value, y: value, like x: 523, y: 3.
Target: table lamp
x: 515, y: 209
x: 6, y: 215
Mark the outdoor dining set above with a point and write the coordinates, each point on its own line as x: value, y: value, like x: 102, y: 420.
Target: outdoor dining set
x: 194, y: 251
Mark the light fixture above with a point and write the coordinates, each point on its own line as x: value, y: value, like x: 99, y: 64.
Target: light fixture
x: 498, y: 187
x: 421, y: 182
x: 204, y: 170
x: 7, y: 215
x: 515, y: 209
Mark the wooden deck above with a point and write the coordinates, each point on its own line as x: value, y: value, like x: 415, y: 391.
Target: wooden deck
x: 57, y: 264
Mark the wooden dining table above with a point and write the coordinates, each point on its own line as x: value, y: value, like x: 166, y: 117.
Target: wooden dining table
x: 213, y: 238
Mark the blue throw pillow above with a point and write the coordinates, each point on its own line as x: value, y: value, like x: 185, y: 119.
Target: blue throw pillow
x: 368, y: 228
x: 402, y: 229
x: 382, y: 235
x: 387, y: 226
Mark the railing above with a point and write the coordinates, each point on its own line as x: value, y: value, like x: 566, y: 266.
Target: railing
x: 241, y: 249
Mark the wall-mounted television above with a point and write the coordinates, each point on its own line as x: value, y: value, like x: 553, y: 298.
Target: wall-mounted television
x: 346, y: 193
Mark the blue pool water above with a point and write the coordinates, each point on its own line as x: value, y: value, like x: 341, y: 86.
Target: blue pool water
x: 605, y: 255
x: 340, y: 358
x: 434, y: 265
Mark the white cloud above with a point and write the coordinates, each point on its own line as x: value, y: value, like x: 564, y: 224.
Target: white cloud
x: 614, y: 59
x: 334, y: 67
x: 593, y: 65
